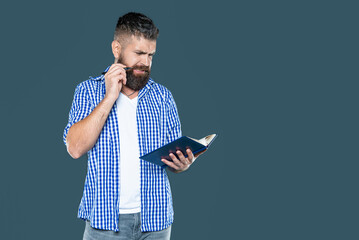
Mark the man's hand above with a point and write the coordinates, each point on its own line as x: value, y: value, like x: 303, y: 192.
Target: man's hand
x: 83, y: 135
x: 114, y: 79
x: 181, y: 163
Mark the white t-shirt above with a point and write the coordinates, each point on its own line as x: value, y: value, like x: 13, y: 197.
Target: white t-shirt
x: 130, y: 196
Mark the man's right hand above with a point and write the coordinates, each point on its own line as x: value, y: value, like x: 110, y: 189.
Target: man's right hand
x: 114, y: 80
x: 83, y: 135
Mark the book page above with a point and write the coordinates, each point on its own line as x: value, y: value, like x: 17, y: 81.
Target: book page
x: 199, y: 141
x: 207, y: 140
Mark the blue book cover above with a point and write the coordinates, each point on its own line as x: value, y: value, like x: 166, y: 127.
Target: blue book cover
x: 181, y: 144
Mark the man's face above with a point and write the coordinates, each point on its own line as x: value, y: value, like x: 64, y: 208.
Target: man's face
x: 138, y: 54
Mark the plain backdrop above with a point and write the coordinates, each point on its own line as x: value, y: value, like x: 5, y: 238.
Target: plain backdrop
x: 276, y: 80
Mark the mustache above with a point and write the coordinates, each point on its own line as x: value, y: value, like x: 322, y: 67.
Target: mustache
x: 137, y: 67
x: 141, y: 68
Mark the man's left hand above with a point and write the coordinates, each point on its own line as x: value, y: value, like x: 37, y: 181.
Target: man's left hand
x: 181, y: 163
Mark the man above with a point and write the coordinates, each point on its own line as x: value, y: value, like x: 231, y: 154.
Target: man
x: 116, y: 118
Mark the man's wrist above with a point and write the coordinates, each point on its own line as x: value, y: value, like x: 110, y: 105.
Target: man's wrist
x: 110, y: 98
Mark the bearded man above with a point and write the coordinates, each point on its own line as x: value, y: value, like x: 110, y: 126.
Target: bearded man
x: 116, y: 118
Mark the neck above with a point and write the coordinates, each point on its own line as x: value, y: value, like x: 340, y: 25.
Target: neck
x: 129, y: 92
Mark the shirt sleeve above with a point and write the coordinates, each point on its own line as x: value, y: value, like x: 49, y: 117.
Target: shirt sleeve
x: 173, y: 121
x: 80, y: 108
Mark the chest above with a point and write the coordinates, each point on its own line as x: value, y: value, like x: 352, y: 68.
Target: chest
x: 150, y: 117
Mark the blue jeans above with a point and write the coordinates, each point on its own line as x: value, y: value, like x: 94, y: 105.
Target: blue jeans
x: 130, y: 228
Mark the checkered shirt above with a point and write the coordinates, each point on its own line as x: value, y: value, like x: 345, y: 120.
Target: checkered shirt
x: 157, y: 124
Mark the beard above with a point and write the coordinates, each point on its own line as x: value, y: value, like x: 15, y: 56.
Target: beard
x: 136, y: 81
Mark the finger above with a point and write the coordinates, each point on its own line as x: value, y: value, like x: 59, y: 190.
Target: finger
x: 117, y: 74
x: 110, y: 75
x: 170, y: 164
x: 182, y: 158
x: 113, y: 66
x: 175, y: 160
x: 114, y: 79
x: 116, y: 69
x: 190, y: 155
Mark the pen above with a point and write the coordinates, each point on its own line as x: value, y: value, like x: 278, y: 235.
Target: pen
x: 126, y: 68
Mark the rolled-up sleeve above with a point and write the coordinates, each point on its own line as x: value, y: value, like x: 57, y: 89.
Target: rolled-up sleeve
x: 80, y: 108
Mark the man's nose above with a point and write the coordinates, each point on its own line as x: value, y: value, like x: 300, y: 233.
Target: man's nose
x: 146, y: 60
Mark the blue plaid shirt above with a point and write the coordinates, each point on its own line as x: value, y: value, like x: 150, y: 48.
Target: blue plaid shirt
x: 157, y: 123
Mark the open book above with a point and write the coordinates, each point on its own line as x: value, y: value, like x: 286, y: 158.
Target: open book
x: 181, y: 144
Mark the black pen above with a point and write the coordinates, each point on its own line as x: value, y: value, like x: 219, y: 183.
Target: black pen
x: 126, y: 68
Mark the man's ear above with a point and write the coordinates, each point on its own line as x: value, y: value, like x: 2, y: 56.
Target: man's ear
x: 116, y: 49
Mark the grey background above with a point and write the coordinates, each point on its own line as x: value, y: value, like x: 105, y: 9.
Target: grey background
x: 277, y: 80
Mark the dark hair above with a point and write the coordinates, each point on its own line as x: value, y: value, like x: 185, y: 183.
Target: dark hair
x: 135, y: 24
